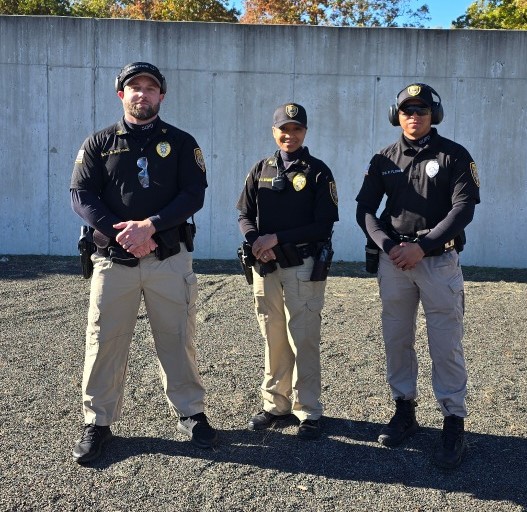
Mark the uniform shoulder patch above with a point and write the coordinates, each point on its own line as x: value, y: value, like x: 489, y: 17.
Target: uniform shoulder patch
x: 333, y: 192
x: 474, y: 172
x: 80, y: 157
x: 200, y: 160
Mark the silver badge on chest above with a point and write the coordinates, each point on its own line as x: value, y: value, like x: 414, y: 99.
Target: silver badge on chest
x: 432, y: 168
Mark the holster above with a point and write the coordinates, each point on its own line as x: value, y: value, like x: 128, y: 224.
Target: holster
x: 167, y: 243
x: 247, y: 261
x: 323, y: 258
x: 86, y: 249
x: 373, y: 254
x: 264, y: 269
x: 187, y: 232
x: 168, y: 240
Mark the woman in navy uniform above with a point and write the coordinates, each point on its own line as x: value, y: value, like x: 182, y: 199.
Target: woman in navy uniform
x: 287, y: 210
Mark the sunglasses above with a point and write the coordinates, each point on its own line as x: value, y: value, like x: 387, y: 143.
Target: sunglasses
x: 410, y: 110
x: 144, y: 179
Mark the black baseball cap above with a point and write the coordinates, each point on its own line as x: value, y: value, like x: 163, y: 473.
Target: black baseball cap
x: 420, y: 92
x: 135, y: 69
x: 290, y: 113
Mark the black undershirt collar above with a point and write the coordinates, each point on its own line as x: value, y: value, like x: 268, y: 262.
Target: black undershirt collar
x: 420, y: 143
x: 289, y: 158
x: 142, y: 132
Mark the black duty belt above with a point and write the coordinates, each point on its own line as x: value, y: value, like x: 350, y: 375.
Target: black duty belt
x: 447, y: 247
x: 306, y: 250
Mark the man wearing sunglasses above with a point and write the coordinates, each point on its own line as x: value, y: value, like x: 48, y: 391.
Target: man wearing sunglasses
x: 135, y: 184
x: 431, y: 187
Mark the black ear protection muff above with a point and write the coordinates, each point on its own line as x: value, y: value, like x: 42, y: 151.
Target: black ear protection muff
x: 137, y: 68
x: 437, y: 108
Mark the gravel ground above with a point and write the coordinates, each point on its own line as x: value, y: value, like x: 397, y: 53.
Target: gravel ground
x: 148, y: 466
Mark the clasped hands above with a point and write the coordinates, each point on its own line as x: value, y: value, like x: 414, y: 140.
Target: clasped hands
x: 136, y: 237
x: 262, y: 248
x: 406, y: 255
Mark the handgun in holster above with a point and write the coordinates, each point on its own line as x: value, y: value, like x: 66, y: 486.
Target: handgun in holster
x: 187, y: 232
x: 322, y: 260
x: 247, y: 260
x: 86, y: 249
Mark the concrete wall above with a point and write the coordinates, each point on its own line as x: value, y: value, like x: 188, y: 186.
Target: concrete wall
x: 224, y: 81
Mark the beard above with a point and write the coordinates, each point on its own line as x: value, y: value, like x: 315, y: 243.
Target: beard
x: 142, y: 112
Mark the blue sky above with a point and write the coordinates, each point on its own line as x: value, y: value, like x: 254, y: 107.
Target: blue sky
x: 442, y: 12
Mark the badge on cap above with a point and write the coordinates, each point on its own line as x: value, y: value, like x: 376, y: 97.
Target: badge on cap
x: 474, y: 172
x: 163, y: 149
x: 291, y: 110
x: 200, y: 160
x: 414, y: 90
x: 432, y: 168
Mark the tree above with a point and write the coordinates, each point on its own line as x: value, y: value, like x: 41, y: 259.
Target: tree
x: 180, y: 10
x: 357, y: 13
x: 94, y: 8
x: 494, y: 14
x: 35, y: 7
x: 292, y: 12
x: 169, y: 10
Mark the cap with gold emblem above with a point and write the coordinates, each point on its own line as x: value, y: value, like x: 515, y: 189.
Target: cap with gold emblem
x: 290, y: 113
x: 420, y: 92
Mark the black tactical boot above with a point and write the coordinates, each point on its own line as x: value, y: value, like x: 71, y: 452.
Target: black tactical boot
x: 402, y: 425
x: 90, y: 445
x: 452, y: 446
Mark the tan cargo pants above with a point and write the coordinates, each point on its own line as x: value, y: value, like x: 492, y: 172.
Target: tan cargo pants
x: 169, y: 288
x: 288, y: 307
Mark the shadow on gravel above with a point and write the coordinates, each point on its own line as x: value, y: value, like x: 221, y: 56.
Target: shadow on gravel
x: 493, y: 469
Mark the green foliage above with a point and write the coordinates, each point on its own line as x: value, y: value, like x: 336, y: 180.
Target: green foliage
x: 35, y: 7
x: 93, y: 8
x: 168, y: 10
x: 494, y: 14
